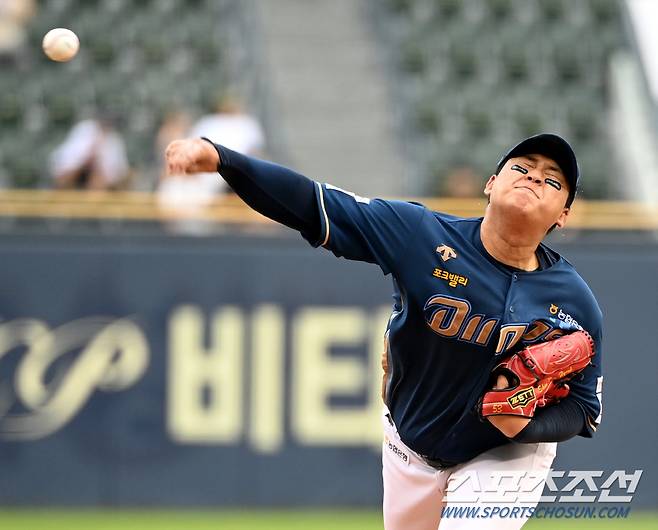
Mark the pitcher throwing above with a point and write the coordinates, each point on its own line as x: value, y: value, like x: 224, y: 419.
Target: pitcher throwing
x: 487, y: 327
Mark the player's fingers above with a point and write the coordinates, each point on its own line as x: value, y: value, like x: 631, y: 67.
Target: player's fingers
x: 183, y: 164
x: 170, y: 162
x: 172, y: 167
x: 176, y: 158
x: 501, y: 382
x: 193, y: 156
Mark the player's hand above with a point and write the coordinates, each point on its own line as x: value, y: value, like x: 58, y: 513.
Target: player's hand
x: 191, y: 156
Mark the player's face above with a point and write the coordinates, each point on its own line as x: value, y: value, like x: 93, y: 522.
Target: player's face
x: 532, y: 186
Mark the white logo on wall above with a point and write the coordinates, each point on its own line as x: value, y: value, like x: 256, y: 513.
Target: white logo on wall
x: 59, y: 369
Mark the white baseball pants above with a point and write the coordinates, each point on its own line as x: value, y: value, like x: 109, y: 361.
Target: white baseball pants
x: 415, y: 493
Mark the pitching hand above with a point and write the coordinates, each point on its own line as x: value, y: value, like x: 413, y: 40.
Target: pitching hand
x: 190, y: 156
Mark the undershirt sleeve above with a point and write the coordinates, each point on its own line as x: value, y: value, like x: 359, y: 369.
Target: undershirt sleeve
x: 556, y: 423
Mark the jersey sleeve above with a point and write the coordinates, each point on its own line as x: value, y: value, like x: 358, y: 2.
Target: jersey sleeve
x: 371, y: 230
x: 587, y: 387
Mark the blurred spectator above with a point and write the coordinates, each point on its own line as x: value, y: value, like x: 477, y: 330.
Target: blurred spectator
x: 182, y: 197
x: 176, y: 124
x: 14, y: 15
x: 462, y: 182
x: 93, y: 156
x: 232, y: 127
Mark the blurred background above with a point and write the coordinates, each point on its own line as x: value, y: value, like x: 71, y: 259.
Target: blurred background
x: 162, y: 347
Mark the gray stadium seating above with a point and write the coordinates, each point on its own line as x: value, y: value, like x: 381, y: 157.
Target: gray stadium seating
x: 475, y: 76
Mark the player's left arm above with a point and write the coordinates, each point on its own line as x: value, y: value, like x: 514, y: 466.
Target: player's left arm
x: 578, y: 414
x: 555, y: 423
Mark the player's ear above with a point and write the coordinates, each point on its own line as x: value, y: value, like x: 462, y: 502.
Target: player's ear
x: 562, y: 219
x: 489, y: 185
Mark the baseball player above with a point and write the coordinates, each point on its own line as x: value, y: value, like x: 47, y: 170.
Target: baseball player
x: 481, y: 308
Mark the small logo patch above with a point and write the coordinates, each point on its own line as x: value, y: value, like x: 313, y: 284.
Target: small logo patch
x: 452, y: 278
x: 522, y: 398
x: 564, y: 317
x: 402, y: 455
x: 446, y: 252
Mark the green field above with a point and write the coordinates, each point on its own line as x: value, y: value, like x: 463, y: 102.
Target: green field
x: 256, y: 520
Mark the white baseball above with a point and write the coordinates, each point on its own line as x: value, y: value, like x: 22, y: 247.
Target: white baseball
x: 60, y: 44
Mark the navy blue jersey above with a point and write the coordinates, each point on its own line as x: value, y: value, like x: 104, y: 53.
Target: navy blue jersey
x: 456, y: 312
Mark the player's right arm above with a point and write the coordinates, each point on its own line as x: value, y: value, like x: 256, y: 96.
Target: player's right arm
x: 375, y: 231
x: 274, y: 191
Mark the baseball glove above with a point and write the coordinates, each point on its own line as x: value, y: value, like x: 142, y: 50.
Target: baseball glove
x: 537, y: 375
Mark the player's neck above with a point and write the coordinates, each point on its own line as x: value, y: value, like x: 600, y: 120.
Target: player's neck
x: 508, y: 246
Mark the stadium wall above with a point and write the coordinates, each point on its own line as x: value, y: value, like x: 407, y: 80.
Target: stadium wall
x: 243, y: 371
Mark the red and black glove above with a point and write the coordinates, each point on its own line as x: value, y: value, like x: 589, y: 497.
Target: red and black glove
x: 537, y: 375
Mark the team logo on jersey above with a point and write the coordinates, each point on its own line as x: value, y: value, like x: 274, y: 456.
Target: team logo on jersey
x: 446, y: 252
x: 553, y: 309
x: 521, y: 398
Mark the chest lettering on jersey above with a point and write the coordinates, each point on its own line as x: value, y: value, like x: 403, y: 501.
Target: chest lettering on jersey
x: 538, y: 331
x: 451, y: 317
x: 509, y: 336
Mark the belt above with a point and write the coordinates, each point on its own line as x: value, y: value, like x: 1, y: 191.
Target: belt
x: 436, y: 463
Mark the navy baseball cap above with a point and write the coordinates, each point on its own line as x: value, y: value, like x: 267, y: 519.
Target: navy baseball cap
x: 554, y: 147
